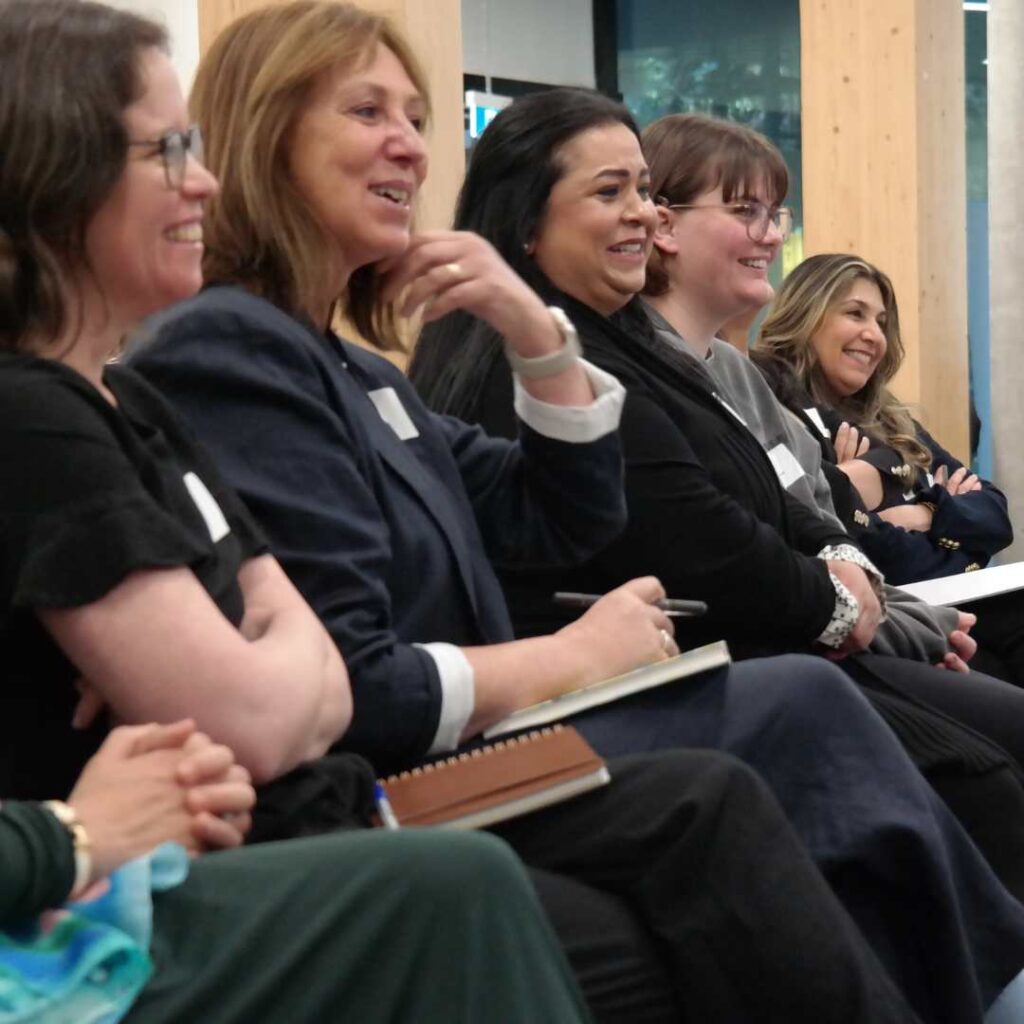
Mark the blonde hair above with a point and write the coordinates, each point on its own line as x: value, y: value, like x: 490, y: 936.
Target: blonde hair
x: 250, y: 90
x: 806, y: 297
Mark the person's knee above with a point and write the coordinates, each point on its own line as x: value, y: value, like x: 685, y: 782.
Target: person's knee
x: 816, y: 688
x: 708, y: 782
x: 447, y: 863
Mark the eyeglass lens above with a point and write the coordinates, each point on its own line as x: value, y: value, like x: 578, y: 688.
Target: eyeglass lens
x: 176, y: 147
x: 761, y: 215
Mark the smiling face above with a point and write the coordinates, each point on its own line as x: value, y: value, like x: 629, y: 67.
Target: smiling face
x: 358, y: 158
x: 144, y: 244
x: 714, y: 268
x: 850, y: 342
x: 598, y: 227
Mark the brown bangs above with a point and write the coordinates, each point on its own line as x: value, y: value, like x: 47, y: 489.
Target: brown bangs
x: 690, y: 154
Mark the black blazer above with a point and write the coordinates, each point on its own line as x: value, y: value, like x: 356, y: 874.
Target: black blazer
x: 389, y: 540
x: 706, y: 512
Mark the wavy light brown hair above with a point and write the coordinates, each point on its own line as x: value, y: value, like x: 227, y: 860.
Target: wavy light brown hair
x: 249, y: 91
x: 690, y: 154
x: 806, y: 297
x: 68, y: 71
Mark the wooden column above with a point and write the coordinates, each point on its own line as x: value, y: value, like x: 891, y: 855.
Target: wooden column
x: 882, y: 98
x: 1006, y: 251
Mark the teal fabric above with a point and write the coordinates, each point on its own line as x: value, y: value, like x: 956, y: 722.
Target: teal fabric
x: 87, y: 962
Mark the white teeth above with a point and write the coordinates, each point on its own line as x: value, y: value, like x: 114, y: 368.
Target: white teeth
x: 755, y: 264
x: 186, y: 233
x: 633, y: 247
x: 396, y: 195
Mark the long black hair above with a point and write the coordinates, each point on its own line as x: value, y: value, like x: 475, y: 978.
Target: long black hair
x: 504, y: 197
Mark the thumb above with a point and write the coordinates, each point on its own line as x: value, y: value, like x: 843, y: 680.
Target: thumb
x: 647, y: 588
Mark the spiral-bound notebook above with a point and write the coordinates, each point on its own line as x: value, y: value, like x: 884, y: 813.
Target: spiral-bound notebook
x: 498, y: 781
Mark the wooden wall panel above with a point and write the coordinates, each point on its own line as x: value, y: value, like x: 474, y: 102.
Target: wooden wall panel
x: 882, y: 97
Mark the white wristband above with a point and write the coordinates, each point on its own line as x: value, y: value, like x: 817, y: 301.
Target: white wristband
x: 552, y: 363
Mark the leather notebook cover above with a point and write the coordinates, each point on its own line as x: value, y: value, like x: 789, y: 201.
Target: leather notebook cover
x: 498, y: 781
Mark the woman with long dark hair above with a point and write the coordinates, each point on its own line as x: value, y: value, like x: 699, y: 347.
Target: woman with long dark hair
x: 707, y: 509
x: 557, y: 186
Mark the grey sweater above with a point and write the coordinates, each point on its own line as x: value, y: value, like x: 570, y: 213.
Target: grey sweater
x: 913, y: 629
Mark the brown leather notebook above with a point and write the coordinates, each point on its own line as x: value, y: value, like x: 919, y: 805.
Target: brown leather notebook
x: 501, y: 780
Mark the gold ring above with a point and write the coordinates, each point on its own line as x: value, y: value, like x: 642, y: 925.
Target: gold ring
x: 666, y: 640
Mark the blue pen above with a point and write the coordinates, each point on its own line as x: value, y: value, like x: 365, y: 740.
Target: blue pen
x: 384, y: 808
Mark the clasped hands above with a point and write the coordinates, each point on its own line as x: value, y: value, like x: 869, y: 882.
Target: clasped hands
x: 151, y: 784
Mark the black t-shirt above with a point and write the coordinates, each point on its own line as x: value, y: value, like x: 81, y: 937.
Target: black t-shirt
x: 89, y: 493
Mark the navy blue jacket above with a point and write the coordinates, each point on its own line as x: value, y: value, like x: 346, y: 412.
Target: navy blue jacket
x: 390, y: 541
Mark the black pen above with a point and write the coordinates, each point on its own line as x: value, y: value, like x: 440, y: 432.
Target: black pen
x: 671, y: 606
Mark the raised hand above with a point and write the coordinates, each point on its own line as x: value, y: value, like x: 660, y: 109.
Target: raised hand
x: 442, y: 271
x: 849, y: 443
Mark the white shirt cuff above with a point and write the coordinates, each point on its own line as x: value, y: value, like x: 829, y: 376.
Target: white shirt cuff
x: 458, y: 694
x: 576, y: 424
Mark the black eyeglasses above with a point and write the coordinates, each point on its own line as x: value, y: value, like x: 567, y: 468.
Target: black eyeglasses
x: 754, y: 214
x: 173, y: 149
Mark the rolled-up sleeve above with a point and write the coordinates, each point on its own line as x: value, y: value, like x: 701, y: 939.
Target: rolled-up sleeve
x: 458, y: 696
x: 577, y: 424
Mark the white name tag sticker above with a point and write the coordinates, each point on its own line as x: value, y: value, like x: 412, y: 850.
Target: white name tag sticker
x: 725, y: 405
x: 393, y: 413
x: 787, y: 468
x: 815, y: 417
x: 208, y: 507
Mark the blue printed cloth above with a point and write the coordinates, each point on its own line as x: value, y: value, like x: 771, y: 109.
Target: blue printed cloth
x: 86, y: 962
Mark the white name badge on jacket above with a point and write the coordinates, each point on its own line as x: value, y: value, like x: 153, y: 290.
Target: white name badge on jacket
x: 208, y: 507
x: 815, y: 417
x: 786, y: 466
x: 393, y: 413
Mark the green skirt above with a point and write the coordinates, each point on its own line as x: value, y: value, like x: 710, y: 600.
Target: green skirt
x: 361, y: 926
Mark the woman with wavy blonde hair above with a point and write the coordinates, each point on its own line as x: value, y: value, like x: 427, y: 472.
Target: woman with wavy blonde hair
x: 831, y: 343
x: 808, y: 296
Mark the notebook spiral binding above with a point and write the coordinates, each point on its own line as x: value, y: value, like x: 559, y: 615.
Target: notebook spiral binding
x: 469, y: 755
